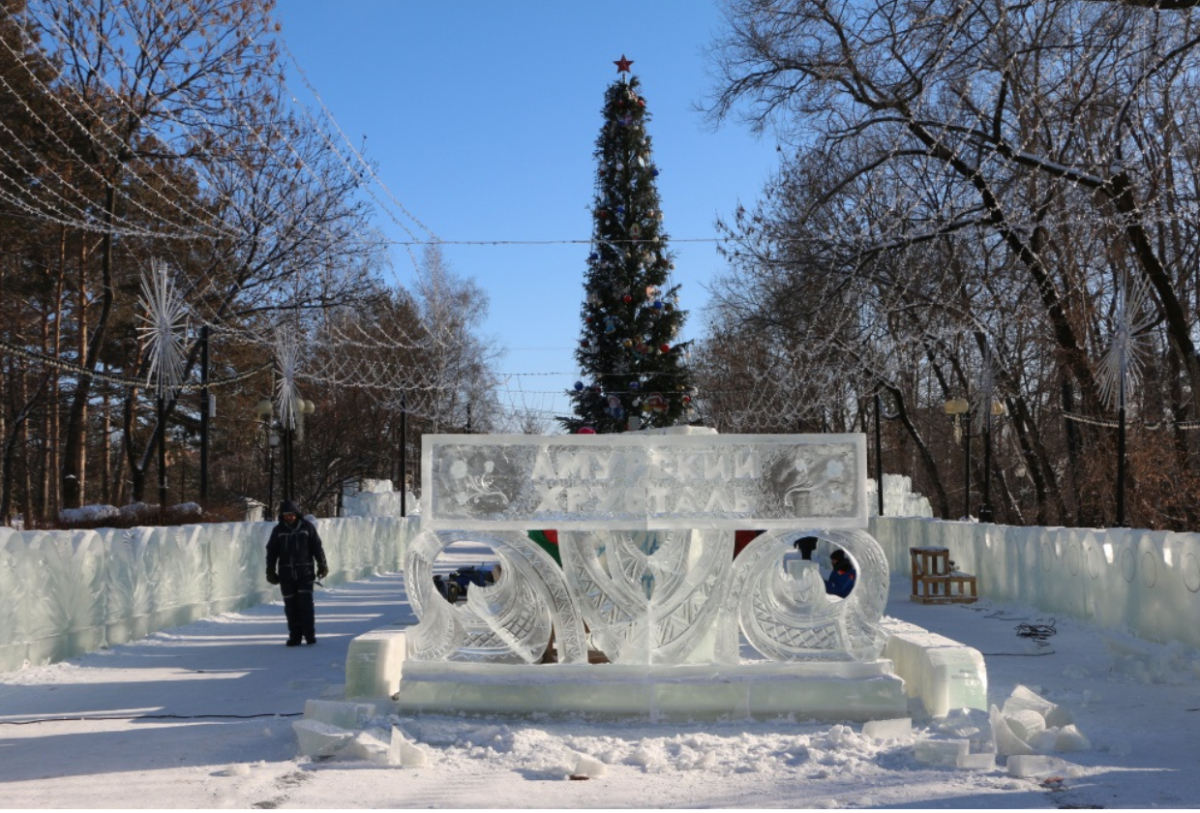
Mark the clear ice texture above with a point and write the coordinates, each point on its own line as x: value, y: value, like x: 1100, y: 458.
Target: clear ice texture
x: 507, y: 622
x: 648, y: 597
x: 67, y: 592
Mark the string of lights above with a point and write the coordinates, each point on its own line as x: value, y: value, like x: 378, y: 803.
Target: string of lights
x: 44, y: 360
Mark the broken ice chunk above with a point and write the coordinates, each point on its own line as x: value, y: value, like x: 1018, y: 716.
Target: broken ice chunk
x: 1024, y: 698
x: 897, y: 729
x: 1026, y: 724
x: 319, y: 739
x: 1007, y: 742
x: 1071, y: 738
x: 940, y: 753
x: 1028, y: 766
x: 339, y: 713
x: 977, y: 762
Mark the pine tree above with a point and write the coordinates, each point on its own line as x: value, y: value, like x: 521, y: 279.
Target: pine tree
x: 634, y: 373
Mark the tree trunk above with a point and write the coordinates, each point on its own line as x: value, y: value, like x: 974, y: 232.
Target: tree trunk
x: 77, y: 416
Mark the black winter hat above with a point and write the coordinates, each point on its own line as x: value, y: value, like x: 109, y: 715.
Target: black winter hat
x: 288, y: 507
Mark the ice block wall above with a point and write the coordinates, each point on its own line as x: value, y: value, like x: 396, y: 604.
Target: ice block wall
x: 67, y: 592
x: 1146, y: 582
x: 898, y: 498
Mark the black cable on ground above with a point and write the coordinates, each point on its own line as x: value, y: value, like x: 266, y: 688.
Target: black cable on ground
x: 1038, y: 632
x: 89, y: 719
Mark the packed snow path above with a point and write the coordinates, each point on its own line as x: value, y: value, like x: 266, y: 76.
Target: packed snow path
x: 1135, y: 702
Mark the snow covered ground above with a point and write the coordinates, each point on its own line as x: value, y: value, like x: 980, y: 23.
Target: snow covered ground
x: 200, y: 716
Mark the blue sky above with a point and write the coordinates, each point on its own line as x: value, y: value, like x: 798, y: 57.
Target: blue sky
x: 483, y: 117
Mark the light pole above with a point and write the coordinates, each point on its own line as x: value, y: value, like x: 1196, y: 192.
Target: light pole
x: 264, y: 409
x: 986, y: 514
x: 959, y: 409
x: 878, y: 452
x: 302, y: 407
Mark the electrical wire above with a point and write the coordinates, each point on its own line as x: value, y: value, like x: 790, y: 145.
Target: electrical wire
x: 103, y: 717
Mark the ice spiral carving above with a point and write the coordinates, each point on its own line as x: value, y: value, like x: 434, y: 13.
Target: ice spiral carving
x: 792, y: 619
x: 508, y: 622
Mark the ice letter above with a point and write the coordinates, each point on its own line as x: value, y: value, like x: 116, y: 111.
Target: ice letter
x: 543, y: 467
x: 549, y: 498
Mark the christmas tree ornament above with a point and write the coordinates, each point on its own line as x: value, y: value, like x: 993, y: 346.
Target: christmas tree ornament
x: 586, y: 430
x: 635, y: 385
x: 627, y: 343
x: 578, y: 386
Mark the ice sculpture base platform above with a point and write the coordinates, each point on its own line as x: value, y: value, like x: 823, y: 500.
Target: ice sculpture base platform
x: 842, y: 691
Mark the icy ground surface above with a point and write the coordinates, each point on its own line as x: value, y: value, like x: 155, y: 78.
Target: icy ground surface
x: 1135, y: 702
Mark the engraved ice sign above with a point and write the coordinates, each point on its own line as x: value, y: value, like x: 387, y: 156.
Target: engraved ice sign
x: 632, y: 482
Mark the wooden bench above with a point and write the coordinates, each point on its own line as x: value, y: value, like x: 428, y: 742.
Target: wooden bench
x: 934, y: 580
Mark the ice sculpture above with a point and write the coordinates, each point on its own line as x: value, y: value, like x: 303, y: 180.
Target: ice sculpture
x: 507, y: 622
x: 645, y: 534
x: 793, y: 619
x: 647, y: 597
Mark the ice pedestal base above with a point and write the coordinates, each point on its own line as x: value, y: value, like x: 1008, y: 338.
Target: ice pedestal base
x: 850, y: 691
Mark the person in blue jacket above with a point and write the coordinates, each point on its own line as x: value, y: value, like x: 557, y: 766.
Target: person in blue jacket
x: 296, y: 559
x: 841, y: 579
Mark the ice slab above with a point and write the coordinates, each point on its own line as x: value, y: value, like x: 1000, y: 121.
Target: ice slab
x: 1029, y: 766
x: 897, y: 729
x: 977, y: 762
x: 375, y: 663
x: 373, y: 745
x: 410, y: 755
x: 340, y: 714
x: 317, y: 739
x: 940, y: 753
x: 824, y: 691
x: 943, y: 673
x: 630, y: 481
x: 1025, y: 698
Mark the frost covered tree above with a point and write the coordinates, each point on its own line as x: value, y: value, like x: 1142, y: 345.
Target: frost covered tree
x: 966, y: 179
x: 635, y: 372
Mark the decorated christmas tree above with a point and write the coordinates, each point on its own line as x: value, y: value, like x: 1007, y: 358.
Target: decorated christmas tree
x: 635, y: 374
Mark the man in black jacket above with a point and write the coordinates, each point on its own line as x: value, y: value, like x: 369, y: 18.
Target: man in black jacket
x: 294, y: 547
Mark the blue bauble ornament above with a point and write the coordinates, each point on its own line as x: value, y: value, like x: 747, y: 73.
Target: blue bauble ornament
x: 578, y: 386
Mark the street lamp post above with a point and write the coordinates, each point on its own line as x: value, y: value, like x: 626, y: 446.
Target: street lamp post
x: 303, y: 407
x: 878, y: 452
x: 264, y: 410
x: 959, y: 409
x: 986, y: 514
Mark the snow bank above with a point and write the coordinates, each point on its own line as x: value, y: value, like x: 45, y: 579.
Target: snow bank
x: 63, y: 593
